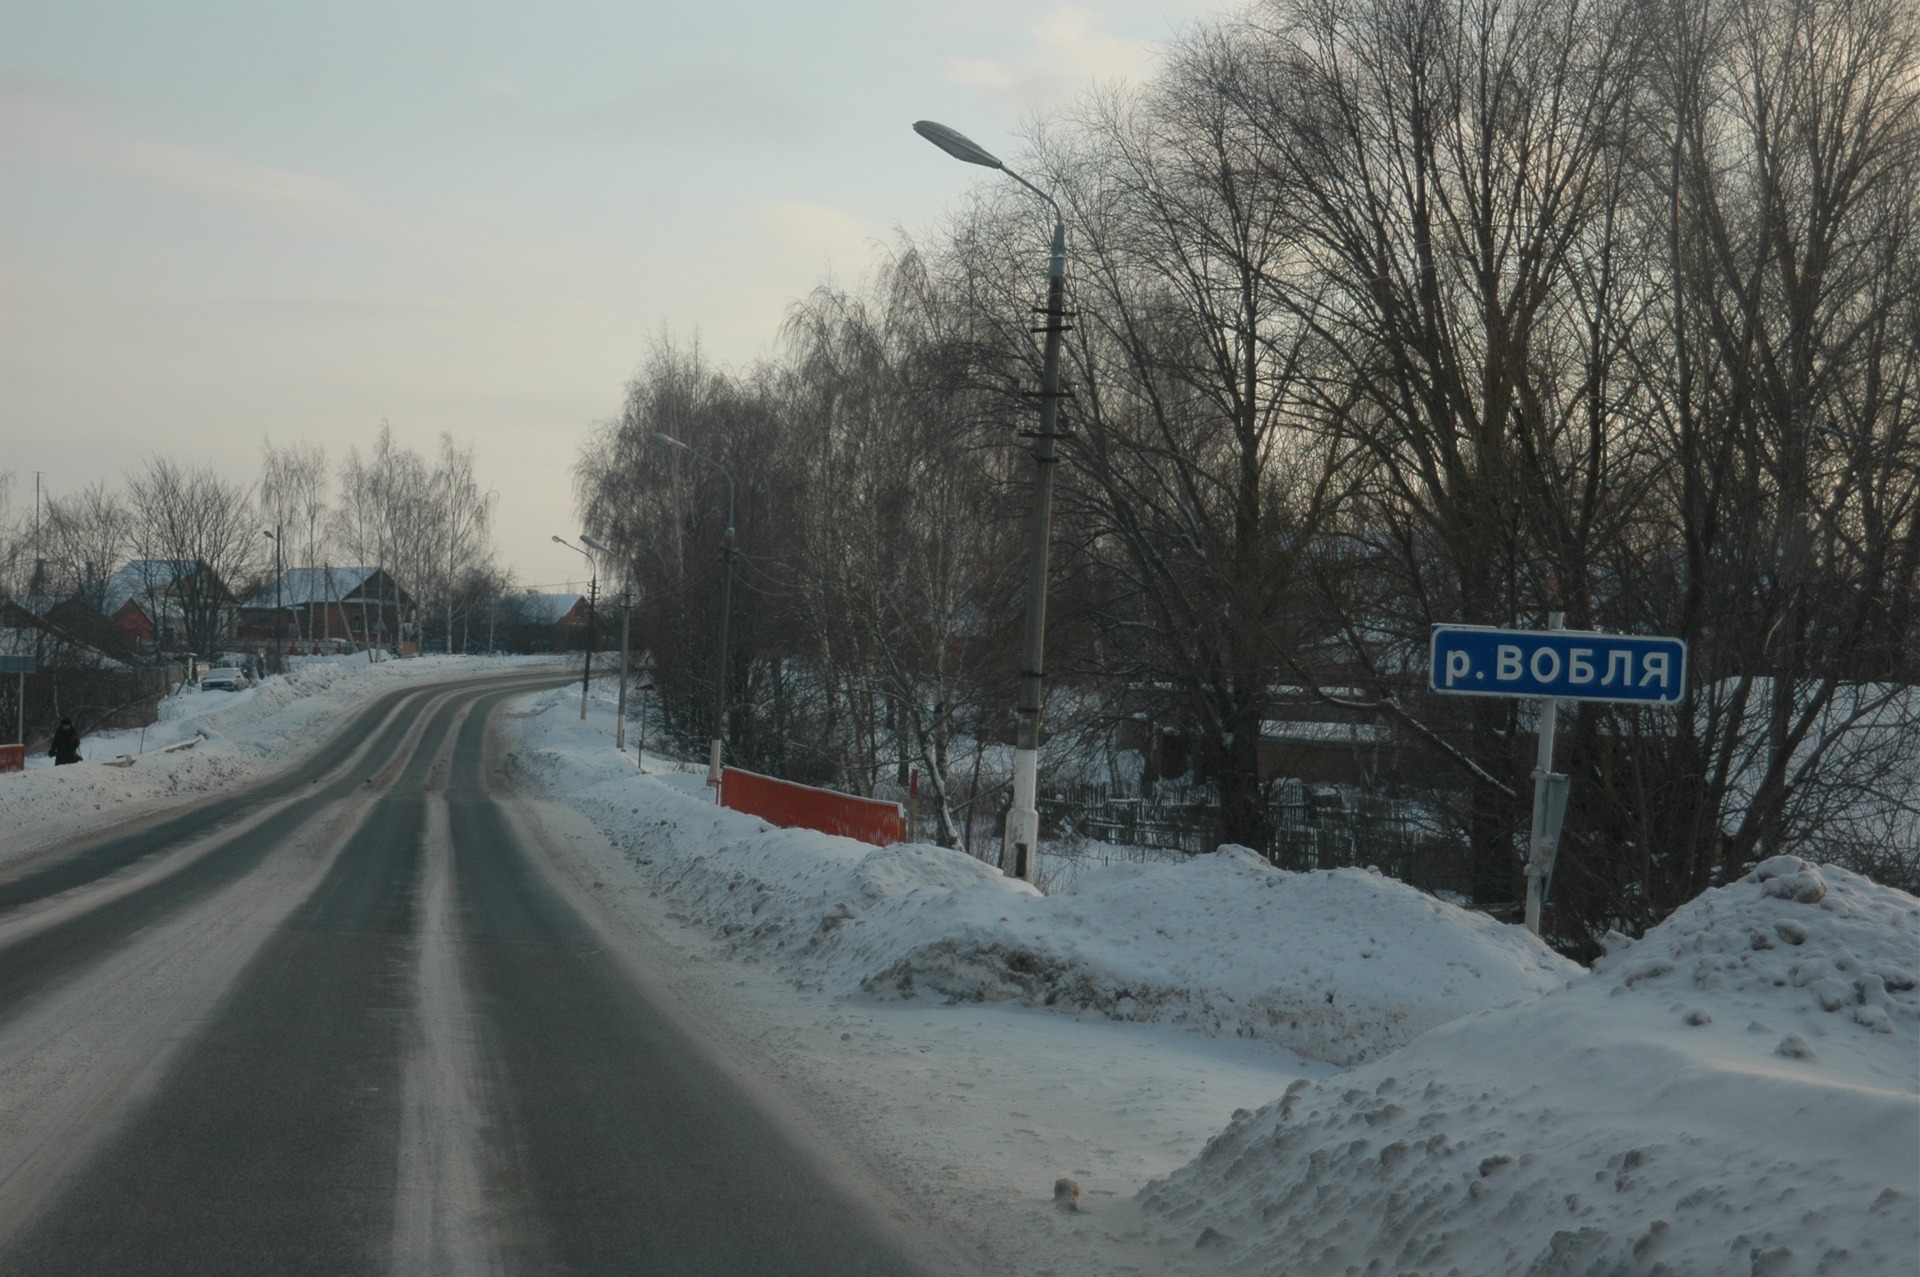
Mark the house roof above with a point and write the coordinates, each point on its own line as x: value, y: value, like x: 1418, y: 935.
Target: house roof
x: 302, y: 586
x: 551, y: 609
x: 1280, y: 732
x: 141, y: 578
x: 23, y: 633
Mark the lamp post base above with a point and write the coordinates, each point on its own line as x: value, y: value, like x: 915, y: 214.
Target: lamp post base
x: 1020, y: 849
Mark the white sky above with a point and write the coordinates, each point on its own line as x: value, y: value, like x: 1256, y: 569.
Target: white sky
x: 224, y: 221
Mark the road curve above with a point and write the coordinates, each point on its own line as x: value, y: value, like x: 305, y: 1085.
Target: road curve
x: 345, y: 1023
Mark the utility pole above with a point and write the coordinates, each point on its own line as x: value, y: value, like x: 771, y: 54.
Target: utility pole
x: 586, y: 672
x: 279, y: 660
x: 626, y: 616
x: 715, y: 772
x: 1020, y: 848
x: 593, y: 592
x: 626, y: 670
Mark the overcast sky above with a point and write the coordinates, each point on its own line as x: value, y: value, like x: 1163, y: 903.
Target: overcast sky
x: 223, y: 222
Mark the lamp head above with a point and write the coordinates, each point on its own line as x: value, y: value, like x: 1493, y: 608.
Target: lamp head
x: 957, y: 144
x: 593, y: 543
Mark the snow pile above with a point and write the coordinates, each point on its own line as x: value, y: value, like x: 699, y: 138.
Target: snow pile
x: 1738, y: 1092
x: 1341, y: 966
x: 218, y: 739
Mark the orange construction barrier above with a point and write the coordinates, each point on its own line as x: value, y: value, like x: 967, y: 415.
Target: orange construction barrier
x: 13, y: 758
x: 782, y: 802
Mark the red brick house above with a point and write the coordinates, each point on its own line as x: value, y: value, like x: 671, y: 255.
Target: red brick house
x: 564, y: 617
x: 164, y: 605
x: 328, y: 608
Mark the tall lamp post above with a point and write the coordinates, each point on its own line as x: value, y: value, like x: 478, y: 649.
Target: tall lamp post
x: 1020, y: 849
x: 279, y: 574
x: 726, y: 611
x: 593, y: 590
x: 626, y: 669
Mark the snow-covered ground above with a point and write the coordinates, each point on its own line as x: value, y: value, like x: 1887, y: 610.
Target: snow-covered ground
x: 206, y: 742
x: 1241, y: 1069
x: 1253, y: 1071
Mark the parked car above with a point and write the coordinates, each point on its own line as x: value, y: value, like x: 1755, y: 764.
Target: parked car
x: 248, y: 663
x: 225, y: 678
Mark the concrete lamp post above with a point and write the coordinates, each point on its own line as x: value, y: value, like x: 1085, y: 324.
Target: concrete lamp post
x: 626, y: 668
x: 1020, y: 849
x: 593, y: 590
x: 726, y: 611
x: 279, y: 574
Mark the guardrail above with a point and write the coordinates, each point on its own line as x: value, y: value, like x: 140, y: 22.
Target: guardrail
x: 782, y: 802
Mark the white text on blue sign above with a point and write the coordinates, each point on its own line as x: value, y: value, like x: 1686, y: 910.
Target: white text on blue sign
x: 1580, y: 665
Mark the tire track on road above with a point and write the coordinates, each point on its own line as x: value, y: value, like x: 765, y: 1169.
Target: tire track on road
x: 617, y: 1144
x: 43, y: 946
x: 270, y: 1144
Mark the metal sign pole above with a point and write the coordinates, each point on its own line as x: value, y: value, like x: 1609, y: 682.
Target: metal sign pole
x: 1537, y: 837
x: 1547, y: 667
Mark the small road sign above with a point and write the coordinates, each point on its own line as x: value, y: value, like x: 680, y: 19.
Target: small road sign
x: 1573, y: 665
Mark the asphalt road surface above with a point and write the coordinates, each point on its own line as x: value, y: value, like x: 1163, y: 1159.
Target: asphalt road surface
x: 349, y: 1021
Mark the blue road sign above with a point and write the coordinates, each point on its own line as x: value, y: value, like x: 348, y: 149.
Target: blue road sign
x: 1573, y: 665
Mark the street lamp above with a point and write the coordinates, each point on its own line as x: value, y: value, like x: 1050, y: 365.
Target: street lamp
x: 626, y: 669
x: 593, y: 590
x: 279, y: 574
x: 1020, y: 849
x: 726, y: 610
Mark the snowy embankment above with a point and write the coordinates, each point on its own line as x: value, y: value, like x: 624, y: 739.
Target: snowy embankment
x: 205, y: 742
x: 1738, y: 1092
x: 1342, y: 966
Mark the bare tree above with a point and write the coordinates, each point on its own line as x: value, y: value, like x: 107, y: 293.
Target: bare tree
x: 1781, y: 377
x: 87, y: 536
x: 199, y: 529
x: 1196, y: 489
x: 894, y: 558
x: 293, y: 492
x: 463, y: 520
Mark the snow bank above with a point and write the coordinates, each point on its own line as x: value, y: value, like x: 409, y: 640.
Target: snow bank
x: 218, y: 739
x: 1342, y: 966
x: 1738, y: 1092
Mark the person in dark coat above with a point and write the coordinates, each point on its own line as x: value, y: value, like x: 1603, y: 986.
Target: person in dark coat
x: 66, y: 744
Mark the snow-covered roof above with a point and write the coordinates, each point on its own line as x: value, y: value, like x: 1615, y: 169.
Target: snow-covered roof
x: 550, y: 609
x: 24, y: 633
x: 142, y: 578
x: 301, y: 586
x: 1291, y: 732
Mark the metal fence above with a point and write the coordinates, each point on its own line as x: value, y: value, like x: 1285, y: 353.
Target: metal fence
x: 1314, y: 827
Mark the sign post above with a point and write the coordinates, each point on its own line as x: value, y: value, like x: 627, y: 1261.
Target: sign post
x: 1547, y: 667
x: 22, y: 666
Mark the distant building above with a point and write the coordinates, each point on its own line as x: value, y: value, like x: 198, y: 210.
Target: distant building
x: 565, y: 617
x: 329, y: 608
x: 165, y: 605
